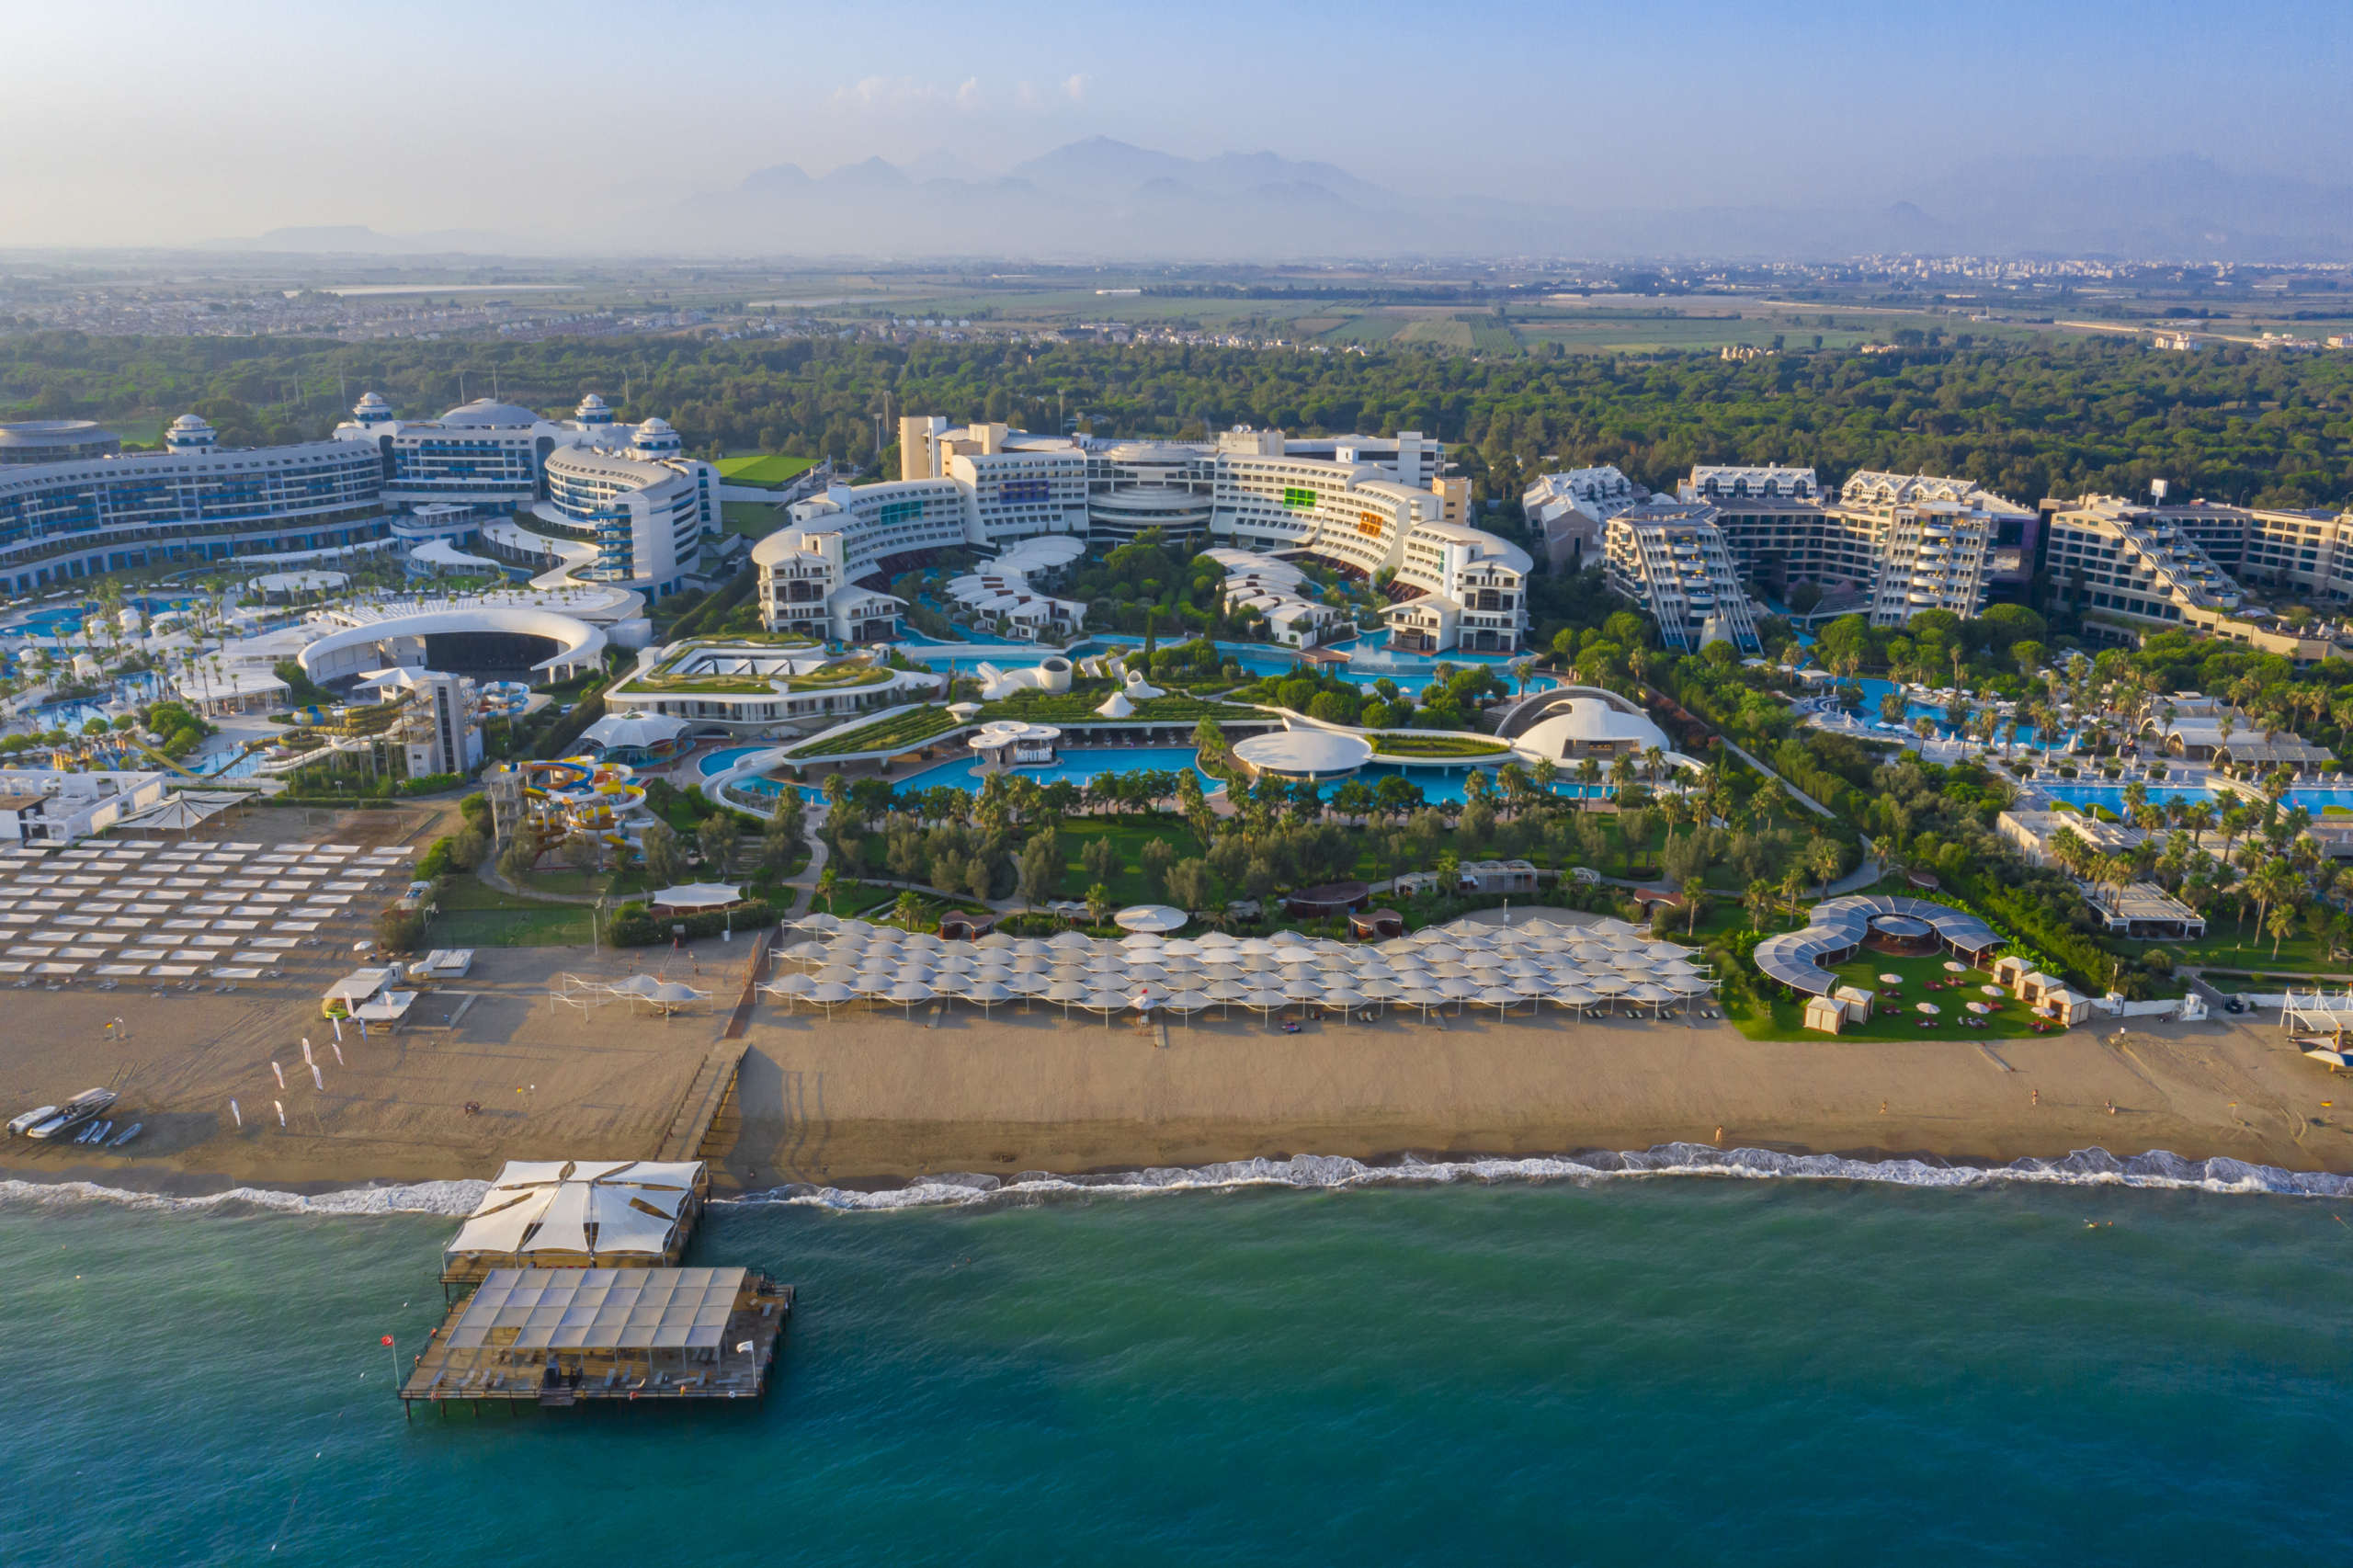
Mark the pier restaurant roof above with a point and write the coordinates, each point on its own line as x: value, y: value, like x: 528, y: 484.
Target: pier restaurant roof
x: 592, y: 1207
x: 601, y: 1309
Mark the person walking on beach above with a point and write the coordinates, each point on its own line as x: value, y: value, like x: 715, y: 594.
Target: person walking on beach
x: 1883, y: 1108
x: 2037, y: 1096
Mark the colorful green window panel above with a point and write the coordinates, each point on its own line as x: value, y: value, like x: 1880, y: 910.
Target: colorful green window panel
x: 1298, y: 500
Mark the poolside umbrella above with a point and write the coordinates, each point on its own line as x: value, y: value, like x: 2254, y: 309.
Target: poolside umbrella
x: 907, y: 992
x: 1890, y: 979
x: 1185, y: 1004
x: 1575, y: 997
x: 1977, y: 1007
x: 1953, y: 968
x: 807, y: 952
x: 1106, y: 1003
x: 1928, y: 1008
x: 1422, y: 997
x: 837, y: 973
x: 1065, y: 992
x: 1226, y: 991
x: 1267, y: 1002
x: 951, y: 985
x: 988, y: 994
x: 1070, y: 939
x: 1500, y: 999
x: 1255, y: 945
x: 1653, y: 994
x: 829, y: 994
x: 1140, y: 940
x: 1183, y: 947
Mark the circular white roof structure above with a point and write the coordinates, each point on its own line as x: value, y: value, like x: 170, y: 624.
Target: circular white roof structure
x: 490, y: 412
x: 300, y: 582
x: 1011, y: 732
x: 1586, y: 721
x: 1305, y: 753
x: 1158, y: 918
x: 577, y: 643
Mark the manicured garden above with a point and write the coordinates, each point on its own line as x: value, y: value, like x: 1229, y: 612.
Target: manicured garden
x: 1392, y: 743
x: 772, y: 470
x: 1923, y: 979
x: 898, y: 733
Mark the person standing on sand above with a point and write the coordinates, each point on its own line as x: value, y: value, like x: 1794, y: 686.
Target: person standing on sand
x: 1719, y: 1134
x: 1883, y: 1108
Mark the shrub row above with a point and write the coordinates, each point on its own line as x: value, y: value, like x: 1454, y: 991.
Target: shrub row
x: 635, y: 927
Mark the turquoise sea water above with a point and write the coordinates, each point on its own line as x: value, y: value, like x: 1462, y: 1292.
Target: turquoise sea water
x: 1636, y: 1370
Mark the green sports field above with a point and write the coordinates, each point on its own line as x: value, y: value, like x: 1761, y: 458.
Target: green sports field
x: 773, y: 471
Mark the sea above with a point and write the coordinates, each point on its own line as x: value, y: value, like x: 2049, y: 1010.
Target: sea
x: 1670, y: 1358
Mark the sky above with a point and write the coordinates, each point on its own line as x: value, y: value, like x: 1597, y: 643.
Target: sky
x: 140, y: 123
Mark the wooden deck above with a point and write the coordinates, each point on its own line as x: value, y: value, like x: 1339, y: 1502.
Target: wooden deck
x: 714, y: 1082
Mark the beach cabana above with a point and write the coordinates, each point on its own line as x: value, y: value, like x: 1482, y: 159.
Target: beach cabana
x: 1825, y: 1012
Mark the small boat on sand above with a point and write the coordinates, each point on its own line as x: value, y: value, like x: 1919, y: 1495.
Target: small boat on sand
x: 125, y: 1137
x: 86, y: 1107
x: 30, y: 1119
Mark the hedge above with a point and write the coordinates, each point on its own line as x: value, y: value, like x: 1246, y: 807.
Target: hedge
x: 634, y: 927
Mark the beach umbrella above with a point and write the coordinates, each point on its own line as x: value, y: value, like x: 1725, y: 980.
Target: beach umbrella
x: 1225, y: 992
x: 1381, y: 989
x: 1185, y: 1004
x: 988, y: 994
x: 1523, y: 967
x: 1141, y: 939
x: 829, y: 995
x: 1528, y: 985
x: 927, y: 940
x: 1678, y: 969
x: 1591, y: 952
x: 1890, y: 979
x: 1294, y: 955
x: 1928, y: 1008
x: 957, y: 963
x: 1977, y: 1007
x: 1992, y: 991
x: 807, y: 952
x: 1183, y: 947
x: 1257, y: 963
x: 818, y: 922
x: 1106, y: 1003
x: 995, y: 940
x: 951, y: 983
x: 1665, y: 952
x: 1440, y: 953
x: 1065, y: 992
x: 1609, y: 986
x: 1029, y: 947
x: 1344, y: 997
x: 1397, y: 945
x: 1653, y: 994
x: 1217, y: 939
x: 1223, y: 971
x: 1953, y: 968
x: 1070, y: 939
x: 907, y: 992
x: 1423, y: 998
x: 1689, y: 985
x: 1182, y: 964
x: 1302, y: 990
x: 838, y: 973
x: 1482, y: 960
x: 1575, y: 997
x: 1458, y: 989
x: 860, y: 927
x: 1267, y: 1002
x: 1253, y: 945
x: 1028, y: 985
x: 1449, y: 970
x: 1144, y: 969
x: 1107, y: 964
x: 873, y: 982
x: 1499, y: 998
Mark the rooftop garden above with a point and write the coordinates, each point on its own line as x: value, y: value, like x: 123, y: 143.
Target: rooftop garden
x: 898, y: 733
x: 1390, y: 742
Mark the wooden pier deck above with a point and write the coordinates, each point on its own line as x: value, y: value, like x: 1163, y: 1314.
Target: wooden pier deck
x: 557, y: 1338
x: 706, y: 1096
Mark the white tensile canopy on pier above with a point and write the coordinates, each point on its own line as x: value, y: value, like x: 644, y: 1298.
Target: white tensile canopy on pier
x: 615, y: 1209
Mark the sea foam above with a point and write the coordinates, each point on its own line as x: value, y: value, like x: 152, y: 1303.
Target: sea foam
x: 2084, y: 1167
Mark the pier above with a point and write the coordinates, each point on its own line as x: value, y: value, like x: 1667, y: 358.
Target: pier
x: 557, y: 1338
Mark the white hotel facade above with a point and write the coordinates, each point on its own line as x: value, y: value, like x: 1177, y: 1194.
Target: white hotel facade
x: 1372, y: 507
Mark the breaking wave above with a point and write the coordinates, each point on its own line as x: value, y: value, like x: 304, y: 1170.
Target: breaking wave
x: 2084, y: 1167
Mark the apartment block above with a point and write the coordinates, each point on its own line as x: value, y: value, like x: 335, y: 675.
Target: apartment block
x: 1670, y: 557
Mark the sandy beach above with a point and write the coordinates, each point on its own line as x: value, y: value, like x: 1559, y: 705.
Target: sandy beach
x: 872, y: 1096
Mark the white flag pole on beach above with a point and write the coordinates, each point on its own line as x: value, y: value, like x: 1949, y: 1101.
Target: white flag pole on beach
x: 338, y: 1054
x: 281, y: 1076
x: 316, y: 1082
x: 338, y: 1027
x: 236, y: 1112
x: 306, y: 1048
x: 281, y: 1113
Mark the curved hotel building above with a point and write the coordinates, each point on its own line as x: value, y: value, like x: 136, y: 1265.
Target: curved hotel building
x: 1371, y: 507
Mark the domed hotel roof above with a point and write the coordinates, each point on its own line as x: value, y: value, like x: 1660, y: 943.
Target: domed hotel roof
x: 488, y: 412
x: 1588, y: 720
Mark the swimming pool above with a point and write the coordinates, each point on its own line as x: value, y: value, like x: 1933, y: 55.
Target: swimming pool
x: 1412, y: 672
x: 2112, y: 795
x: 725, y: 758
x: 1079, y: 767
x: 1875, y: 691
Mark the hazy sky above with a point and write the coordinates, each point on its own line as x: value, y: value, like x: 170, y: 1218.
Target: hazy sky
x: 137, y: 122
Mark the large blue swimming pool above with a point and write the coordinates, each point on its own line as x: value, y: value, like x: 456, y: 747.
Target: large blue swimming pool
x: 1411, y: 672
x: 725, y: 758
x: 2112, y: 796
x: 1079, y: 767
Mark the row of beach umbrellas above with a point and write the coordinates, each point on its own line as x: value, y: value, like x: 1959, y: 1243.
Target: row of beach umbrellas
x: 1579, y: 967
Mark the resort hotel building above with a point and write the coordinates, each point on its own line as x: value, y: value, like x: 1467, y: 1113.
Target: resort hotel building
x: 1670, y: 557
x: 1571, y: 510
x: 1371, y: 509
x: 608, y: 503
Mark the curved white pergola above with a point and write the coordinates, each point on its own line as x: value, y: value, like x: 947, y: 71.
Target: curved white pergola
x: 578, y: 643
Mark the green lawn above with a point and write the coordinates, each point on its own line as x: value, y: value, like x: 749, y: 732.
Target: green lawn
x: 774, y: 470
x: 2228, y: 946
x: 1395, y: 742
x: 2008, y: 1021
x: 753, y: 519
x: 477, y: 915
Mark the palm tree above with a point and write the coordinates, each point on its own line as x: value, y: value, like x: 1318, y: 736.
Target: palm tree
x: 1793, y: 884
x: 1758, y: 901
x: 1694, y: 890
x: 2283, y: 920
x: 2270, y: 882
x: 1823, y: 858
x: 828, y: 885
x: 908, y: 909
x: 1588, y: 775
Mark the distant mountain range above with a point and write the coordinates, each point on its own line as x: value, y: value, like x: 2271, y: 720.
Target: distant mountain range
x: 1102, y: 198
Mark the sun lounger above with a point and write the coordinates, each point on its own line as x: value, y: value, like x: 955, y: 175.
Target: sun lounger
x: 612, y: 1377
